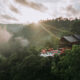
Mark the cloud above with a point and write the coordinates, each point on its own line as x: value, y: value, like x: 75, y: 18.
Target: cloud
x: 8, y: 17
x: 5, y: 36
x: 14, y: 9
x: 33, y: 5
x: 49, y: 1
x: 70, y: 9
x: 23, y: 2
x: 27, y: 11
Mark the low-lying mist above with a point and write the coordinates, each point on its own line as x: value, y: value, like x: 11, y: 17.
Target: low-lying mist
x: 5, y: 36
x: 10, y: 44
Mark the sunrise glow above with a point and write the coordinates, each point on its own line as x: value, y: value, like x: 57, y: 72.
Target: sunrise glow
x: 28, y: 11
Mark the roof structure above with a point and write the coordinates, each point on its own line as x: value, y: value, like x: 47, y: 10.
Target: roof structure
x: 70, y: 39
x: 77, y: 36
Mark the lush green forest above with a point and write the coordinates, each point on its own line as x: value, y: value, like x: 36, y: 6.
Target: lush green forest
x: 20, y: 62
x: 26, y: 64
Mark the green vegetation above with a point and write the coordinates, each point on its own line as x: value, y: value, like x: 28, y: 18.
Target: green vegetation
x: 45, y: 31
x: 25, y: 63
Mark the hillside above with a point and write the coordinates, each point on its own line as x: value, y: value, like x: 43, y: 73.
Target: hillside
x: 45, y: 31
x: 20, y: 54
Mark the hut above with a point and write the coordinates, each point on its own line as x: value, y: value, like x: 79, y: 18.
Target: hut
x: 68, y: 41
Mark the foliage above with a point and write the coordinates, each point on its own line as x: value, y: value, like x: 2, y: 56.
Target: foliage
x: 26, y: 64
x: 41, y: 33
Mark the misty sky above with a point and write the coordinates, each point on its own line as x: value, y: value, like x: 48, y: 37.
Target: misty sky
x: 25, y: 11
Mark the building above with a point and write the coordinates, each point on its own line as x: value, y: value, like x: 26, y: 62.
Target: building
x: 68, y: 41
x: 77, y: 37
